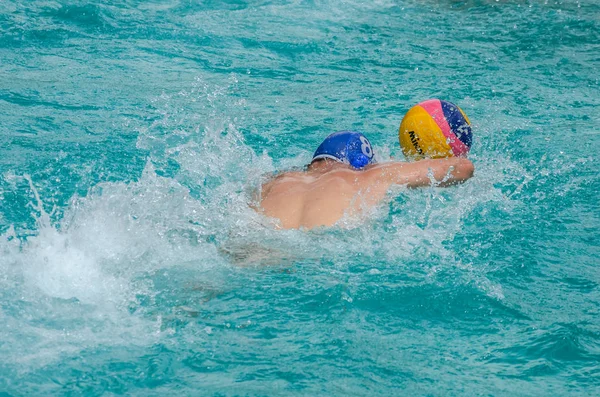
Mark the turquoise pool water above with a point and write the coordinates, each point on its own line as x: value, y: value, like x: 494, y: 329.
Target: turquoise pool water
x: 133, y: 133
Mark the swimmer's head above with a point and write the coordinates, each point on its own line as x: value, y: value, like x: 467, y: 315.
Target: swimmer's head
x: 348, y: 147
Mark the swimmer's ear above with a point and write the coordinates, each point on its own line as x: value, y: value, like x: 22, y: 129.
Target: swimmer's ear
x: 307, y: 166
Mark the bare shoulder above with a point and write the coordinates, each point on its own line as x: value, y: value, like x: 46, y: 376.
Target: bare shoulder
x: 281, y: 180
x: 288, y: 176
x: 346, y: 176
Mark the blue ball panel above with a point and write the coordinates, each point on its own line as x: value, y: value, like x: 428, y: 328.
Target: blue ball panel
x: 457, y: 122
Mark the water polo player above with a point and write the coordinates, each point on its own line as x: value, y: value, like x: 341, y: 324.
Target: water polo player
x: 344, y: 179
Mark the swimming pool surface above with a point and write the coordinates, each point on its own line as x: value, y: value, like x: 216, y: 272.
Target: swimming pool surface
x: 133, y: 134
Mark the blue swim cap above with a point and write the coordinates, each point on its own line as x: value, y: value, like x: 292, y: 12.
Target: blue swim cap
x: 348, y: 147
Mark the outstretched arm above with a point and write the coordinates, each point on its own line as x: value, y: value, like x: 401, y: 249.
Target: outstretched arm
x: 442, y: 172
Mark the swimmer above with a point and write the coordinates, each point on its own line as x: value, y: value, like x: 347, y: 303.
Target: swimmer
x: 343, y: 179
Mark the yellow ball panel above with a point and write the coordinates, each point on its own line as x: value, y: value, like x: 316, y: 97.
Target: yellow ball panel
x: 464, y: 115
x: 420, y: 136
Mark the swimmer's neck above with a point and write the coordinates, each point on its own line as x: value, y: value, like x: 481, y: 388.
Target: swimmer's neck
x: 325, y: 165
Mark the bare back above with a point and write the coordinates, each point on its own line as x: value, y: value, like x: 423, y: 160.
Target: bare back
x: 307, y: 200
x: 323, y: 196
